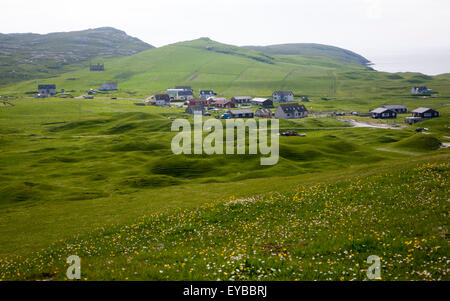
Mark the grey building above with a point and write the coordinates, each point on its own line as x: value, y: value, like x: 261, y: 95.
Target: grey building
x: 283, y: 96
x: 265, y: 113
x: 97, y: 67
x: 422, y: 90
x: 47, y: 89
x: 425, y: 113
x: 383, y: 113
x: 241, y: 99
x: 241, y: 113
x: 263, y: 102
x: 205, y: 94
x: 290, y: 111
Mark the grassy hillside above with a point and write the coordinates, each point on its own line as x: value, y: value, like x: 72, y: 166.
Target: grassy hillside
x: 29, y: 56
x: 231, y: 70
x: 315, y: 232
x: 314, y: 50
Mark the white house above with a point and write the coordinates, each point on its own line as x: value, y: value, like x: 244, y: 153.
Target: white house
x: 283, y: 96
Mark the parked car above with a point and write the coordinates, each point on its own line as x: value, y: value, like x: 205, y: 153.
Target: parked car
x: 290, y: 133
x: 225, y: 116
x: 113, y: 97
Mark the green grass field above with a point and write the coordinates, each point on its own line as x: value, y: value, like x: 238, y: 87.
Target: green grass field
x: 98, y: 178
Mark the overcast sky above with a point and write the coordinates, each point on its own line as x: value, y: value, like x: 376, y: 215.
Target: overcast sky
x: 414, y: 31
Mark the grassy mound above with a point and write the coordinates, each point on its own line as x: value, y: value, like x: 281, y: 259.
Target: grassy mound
x: 419, y: 142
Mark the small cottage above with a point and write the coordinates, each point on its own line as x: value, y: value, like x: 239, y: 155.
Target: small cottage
x: 425, y: 113
x: 263, y: 102
x: 241, y: 99
x: 241, y: 113
x: 264, y: 113
x: 161, y: 99
x: 283, y: 96
x: 422, y: 90
x: 383, y: 113
x: 290, y: 111
x: 184, y: 95
x: 47, y: 89
x: 97, y: 67
x: 223, y: 103
x: 206, y: 94
x: 199, y: 102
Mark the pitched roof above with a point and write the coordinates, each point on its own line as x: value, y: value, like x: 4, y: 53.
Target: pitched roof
x: 221, y: 100
x: 241, y: 111
x: 267, y: 111
x: 292, y: 107
x: 283, y: 93
x: 380, y: 110
x: 394, y: 107
x: 165, y: 97
x: 242, y: 97
x: 421, y: 110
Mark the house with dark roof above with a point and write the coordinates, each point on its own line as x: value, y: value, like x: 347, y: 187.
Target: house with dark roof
x: 206, y: 94
x: 399, y: 109
x: 290, y: 111
x: 161, y: 99
x: 283, y: 96
x: 264, y: 113
x: 263, y: 102
x: 241, y: 99
x: 97, y: 67
x: 383, y: 113
x: 425, y: 113
x: 223, y: 103
x: 199, y: 102
x: 184, y: 95
x: 241, y: 113
x: 47, y: 89
x: 422, y: 90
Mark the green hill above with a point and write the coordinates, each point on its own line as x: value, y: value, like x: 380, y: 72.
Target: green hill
x: 27, y: 56
x: 232, y: 70
x: 314, y: 50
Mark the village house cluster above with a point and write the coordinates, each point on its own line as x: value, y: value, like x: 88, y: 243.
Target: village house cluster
x: 240, y: 106
x: 236, y: 107
x: 391, y: 111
